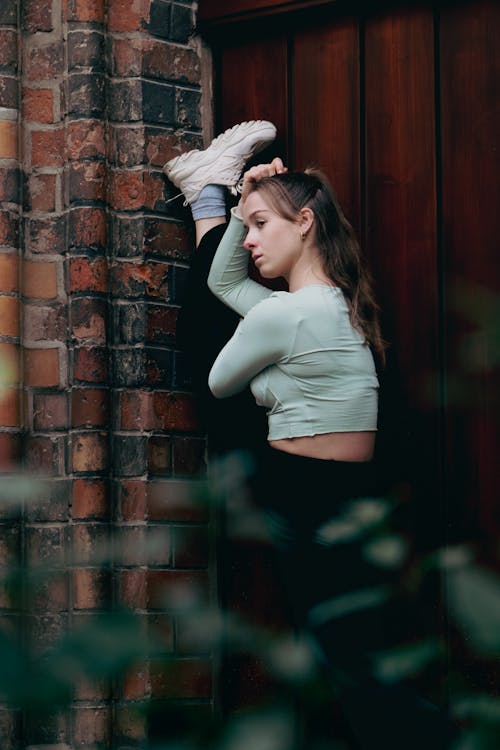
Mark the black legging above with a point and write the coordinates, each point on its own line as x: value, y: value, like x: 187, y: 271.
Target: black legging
x: 299, y: 496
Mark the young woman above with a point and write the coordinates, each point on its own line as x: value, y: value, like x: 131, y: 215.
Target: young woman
x: 308, y: 356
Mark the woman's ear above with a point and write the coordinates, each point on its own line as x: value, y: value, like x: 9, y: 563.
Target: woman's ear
x: 306, y: 220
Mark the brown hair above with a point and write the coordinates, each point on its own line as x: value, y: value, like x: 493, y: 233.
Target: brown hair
x: 288, y: 193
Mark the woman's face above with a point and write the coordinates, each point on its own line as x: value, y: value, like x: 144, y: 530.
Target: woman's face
x: 275, y: 243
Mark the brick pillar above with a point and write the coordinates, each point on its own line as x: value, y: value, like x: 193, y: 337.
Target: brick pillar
x: 110, y: 90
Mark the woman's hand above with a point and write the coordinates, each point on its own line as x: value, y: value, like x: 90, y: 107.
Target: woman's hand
x: 254, y: 174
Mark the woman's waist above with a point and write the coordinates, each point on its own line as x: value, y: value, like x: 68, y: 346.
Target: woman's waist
x: 356, y: 446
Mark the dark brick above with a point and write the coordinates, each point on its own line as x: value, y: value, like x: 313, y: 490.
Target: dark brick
x: 159, y: 18
x: 177, y: 284
x: 50, y: 502
x: 159, y: 103
x: 9, y: 89
x: 87, y: 181
x: 37, y: 15
x: 130, y: 323
x: 181, y: 24
x: 126, y: 236
x: 168, y: 62
x: 8, y: 51
x: 129, y: 455
x: 46, y: 455
x: 86, y: 95
x: 8, y: 14
x: 127, y: 146
x: 10, y: 729
x: 46, y: 729
x: 191, y: 546
x: 46, y: 631
x: 89, y: 319
x: 181, y: 378
x: 159, y: 455
x: 189, y: 456
x: 167, y: 238
x: 129, y: 367
x: 9, y: 228
x: 125, y: 101
x: 141, y: 280
x: 188, y: 108
x: 86, y: 51
x: 48, y: 235
x: 159, y: 368
x: 161, y: 322
x: 91, y: 364
x: 9, y: 185
x: 44, y: 546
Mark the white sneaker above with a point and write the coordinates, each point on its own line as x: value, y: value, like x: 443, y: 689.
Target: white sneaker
x: 222, y: 162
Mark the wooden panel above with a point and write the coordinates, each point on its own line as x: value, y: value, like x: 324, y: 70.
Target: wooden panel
x: 470, y: 93
x: 252, y: 84
x: 326, y: 107
x: 402, y: 237
x: 216, y: 11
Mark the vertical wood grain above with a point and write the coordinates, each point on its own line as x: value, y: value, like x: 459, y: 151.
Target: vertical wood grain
x: 470, y: 113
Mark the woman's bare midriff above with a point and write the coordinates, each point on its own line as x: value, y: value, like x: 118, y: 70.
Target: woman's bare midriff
x: 337, y: 446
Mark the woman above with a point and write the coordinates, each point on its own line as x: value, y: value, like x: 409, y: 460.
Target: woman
x: 308, y: 355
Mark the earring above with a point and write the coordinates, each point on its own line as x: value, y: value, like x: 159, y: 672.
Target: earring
x: 303, y: 235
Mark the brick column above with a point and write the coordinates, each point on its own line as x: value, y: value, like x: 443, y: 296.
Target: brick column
x: 110, y: 91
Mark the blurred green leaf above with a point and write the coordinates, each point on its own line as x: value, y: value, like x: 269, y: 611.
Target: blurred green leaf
x: 473, y: 600
x: 406, y: 660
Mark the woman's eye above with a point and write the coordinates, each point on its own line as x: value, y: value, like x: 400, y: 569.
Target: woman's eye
x: 260, y: 222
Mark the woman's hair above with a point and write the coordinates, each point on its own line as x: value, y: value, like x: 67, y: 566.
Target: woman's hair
x: 290, y: 192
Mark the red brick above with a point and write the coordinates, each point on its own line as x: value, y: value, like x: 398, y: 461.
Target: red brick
x: 88, y: 228
x: 37, y: 15
x: 9, y: 141
x: 9, y: 357
x: 92, y: 727
x: 89, y: 452
x: 89, y: 407
x: 181, y: 678
x: 89, y: 499
x: 10, y: 451
x: 42, y: 192
x: 90, y: 588
x: 87, y: 181
x: 135, y: 683
x: 175, y: 411
x: 88, y: 320
x: 10, y: 407
x: 92, y: 690
x: 47, y: 148
x: 45, y: 63
x: 90, y: 543
x: 91, y: 365
x: 130, y: 724
x: 86, y: 139
x: 8, y: 49
x: 133, y: 500
x: 9, y: 316
x: 9, y: 272
x: 127, y: 57
x: 136, y: 411
x: 9, y: 230
x: 38, y: 105
x: 40, y: 279
x: 140, y: 279
x: 52, y: 594
x: 162, y: 146
x: 88, y: 275
x: 164, y: 60
x: 41, y: 367
x: 50, y: 411
x: 133, y: 592
x: 126, y: 16
x: 175, y: 500
x: 126, y: 190
x: 86, y: 10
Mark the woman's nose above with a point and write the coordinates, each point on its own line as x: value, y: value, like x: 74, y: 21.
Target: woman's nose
x: 249, y: 242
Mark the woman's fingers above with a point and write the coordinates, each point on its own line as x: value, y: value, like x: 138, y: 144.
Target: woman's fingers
x: 254, y: 174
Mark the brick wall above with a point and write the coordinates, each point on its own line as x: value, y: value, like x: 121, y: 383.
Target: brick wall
x: 95, y: 96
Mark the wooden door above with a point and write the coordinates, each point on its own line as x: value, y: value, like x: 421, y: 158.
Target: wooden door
x: 400, y: 108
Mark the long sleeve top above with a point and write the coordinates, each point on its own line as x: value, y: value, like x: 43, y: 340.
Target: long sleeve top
x: 304, y: 361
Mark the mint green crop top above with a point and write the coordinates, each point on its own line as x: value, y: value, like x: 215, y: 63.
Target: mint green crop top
x: 298, y: 351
